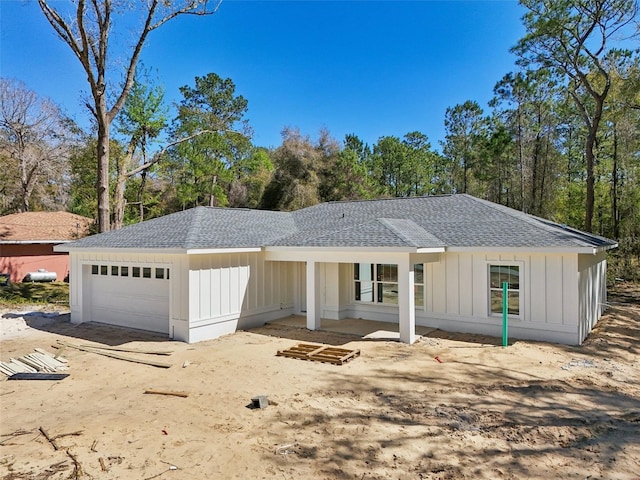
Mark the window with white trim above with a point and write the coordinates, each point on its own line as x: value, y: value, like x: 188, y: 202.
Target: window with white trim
x: 418, y: 279
x: 498, y: 274
x: 378, y: 283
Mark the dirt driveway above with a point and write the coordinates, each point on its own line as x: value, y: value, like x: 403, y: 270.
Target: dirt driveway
x: 531, y: 411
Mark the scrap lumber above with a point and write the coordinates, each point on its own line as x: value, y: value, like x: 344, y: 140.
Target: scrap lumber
x: 20, y: 367
x: 167, y: 392
x: 40, y: 367
x: 116, y: 355
x: 32, y: 363
x: 55, y: 357
x: 320, y: 353
x: 128, y: 349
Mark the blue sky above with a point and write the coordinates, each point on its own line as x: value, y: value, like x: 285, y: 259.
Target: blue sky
x: 364, y: 67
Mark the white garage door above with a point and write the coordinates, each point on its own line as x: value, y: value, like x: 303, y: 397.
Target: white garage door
x: 130, y: 296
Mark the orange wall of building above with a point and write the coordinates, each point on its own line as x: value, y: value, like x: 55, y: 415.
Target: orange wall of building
x: 19, y: 259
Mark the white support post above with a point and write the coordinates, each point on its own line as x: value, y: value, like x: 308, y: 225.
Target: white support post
x: 406, y: 300
x: 313, y: 295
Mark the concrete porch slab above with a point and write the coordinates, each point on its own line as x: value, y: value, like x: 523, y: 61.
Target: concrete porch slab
x: 367, y: 329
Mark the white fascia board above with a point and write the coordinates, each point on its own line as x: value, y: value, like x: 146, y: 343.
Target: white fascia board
x: 550, y: 250
x: 431, y: 250
x: 200, y: 251
x: 343, y: 249
x: 605, y: 248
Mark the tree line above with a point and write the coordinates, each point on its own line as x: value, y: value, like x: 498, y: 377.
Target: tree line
x: 560, y: 139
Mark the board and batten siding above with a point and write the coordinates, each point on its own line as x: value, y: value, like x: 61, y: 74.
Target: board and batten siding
x: 230, y: 291
x: 592, y: 280
x: 457, y: 295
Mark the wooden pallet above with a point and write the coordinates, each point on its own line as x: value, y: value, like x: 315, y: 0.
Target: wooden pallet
x: 320, y: 353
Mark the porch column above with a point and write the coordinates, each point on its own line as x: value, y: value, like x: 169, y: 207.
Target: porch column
x: 406, y: 300
x: 313, y: 295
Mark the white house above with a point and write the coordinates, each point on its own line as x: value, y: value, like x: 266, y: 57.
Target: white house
x: 433, y: 261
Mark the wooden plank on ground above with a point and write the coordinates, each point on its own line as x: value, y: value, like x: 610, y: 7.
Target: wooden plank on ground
x: 117, y: 355
x: 319, y: 353
x: 56, y: 357
x: 167, y: 392
x: 128, y: 349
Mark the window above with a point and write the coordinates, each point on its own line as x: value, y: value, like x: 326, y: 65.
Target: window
x: 124, y: 271
x: 387, y: 276
x: 159, y: 272
x: 104, y: 270
x: 418, y: 288
x: 378, y: 283
x: 146, y: 272
x: 114, y: 270
x: 135, y: 272
x: 94, y: 269
x: 363, y: 276
x: 498, y: 274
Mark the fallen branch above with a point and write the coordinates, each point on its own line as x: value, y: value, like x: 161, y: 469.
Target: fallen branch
x: 117, y: 356
x: 103, y: 466
x: 167, y: 392
x: 77, y: 468
x: 51, y: 440
x: 74, y: 434
x: 17, y: 433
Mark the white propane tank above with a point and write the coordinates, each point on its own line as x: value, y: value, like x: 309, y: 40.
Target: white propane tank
x: 41, y: 275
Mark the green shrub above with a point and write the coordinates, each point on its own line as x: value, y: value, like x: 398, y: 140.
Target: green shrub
x: 38, y: 293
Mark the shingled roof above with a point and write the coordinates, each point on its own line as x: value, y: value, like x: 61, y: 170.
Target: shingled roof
x: 198, y: 228
x: 417, y: 222
x: 43, y: 227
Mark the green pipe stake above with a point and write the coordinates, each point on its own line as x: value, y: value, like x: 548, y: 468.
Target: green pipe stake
x: 505, y: 314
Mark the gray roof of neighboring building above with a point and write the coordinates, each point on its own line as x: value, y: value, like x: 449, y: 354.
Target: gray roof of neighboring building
x: 420, y: 222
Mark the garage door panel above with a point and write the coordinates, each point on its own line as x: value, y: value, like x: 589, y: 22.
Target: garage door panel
x: 141, y: 303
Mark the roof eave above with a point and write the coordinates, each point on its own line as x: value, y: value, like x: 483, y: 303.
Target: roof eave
x: 200, y: 251
x: 162, y: 251
x: 298, y: 248
x: 591, y: 250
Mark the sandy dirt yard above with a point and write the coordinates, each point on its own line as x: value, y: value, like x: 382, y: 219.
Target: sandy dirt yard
x: 530, y: 411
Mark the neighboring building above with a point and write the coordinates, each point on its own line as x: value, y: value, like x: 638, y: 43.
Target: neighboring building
x: 27, y: 241
x: 433, y: 261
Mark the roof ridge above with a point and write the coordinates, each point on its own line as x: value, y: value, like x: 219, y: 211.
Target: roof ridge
x: 194, y: 225
x: 371, y: 200
x: 387, y: 222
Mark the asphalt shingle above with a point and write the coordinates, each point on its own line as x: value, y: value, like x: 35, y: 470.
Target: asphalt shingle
x: 420, y: 222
